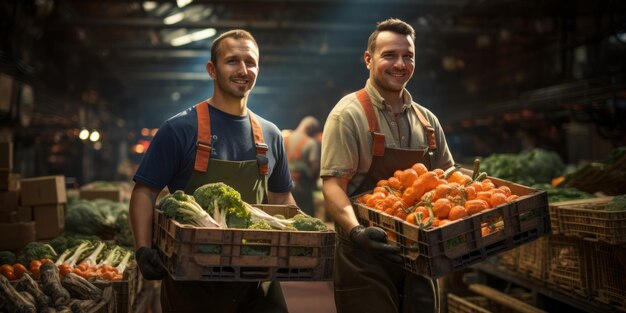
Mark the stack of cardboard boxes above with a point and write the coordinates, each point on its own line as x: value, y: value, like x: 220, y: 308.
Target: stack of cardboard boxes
x: 17, y: 227
x: 47, y: 197
x: 30, y: 209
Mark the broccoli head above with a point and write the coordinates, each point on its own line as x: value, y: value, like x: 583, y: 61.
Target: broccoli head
x: 36, y: 251
x: 307, y: 223
x: 260, y: 224
x: 224, y: 204
x: 7, y: 257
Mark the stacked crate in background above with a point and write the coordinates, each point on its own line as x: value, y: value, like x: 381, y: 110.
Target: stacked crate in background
x: 586, y: 258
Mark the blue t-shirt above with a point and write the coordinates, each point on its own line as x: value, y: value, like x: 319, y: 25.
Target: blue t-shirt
x: 171, y: 155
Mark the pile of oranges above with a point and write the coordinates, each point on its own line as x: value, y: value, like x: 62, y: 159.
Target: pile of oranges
x: 426, y: 198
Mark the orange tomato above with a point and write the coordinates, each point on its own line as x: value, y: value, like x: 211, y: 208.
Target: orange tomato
x: 427, y: 181
x: 407, y: 177
x: 382, y: 183
x: 419, y: 168
x: 441, y: 191
x: 475, y: 206
x: 470, y: 192
x: 395, y: 183
x: 65, y: 269
x: 439, y: 172
x: 381, y: 190
x: 7, y: 271
x: 43, y: 261
x: 442, y: 207
x: 19, y: 270
x: 34, y: 267
x: 497, y: 199
x: 506, y: 190
x: 457, y: 212
x: 512, y: 198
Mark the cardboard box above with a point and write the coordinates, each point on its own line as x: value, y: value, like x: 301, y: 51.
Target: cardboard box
x: 49, y: 220
x: 24, y: 214
x: 9, y: 200
x: 6, y: 155
x: 15, y: 236
x: 112, y: 194
x: 46, y: 190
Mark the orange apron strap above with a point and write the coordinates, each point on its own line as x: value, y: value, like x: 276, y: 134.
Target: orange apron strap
x: 259, y: 142
x: 378, y: 138
x: 430, y: 131
x: 203, y: 145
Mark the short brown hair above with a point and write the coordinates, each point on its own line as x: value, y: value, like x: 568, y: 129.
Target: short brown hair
x: 235, y: 34
x: 393, y: 25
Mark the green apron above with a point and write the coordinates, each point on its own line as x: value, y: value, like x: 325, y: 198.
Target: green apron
x: 364, y: 282
x: 250, y: 179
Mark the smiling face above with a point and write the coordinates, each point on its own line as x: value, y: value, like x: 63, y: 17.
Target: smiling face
x: 392, y: 62
x: 236, y: 69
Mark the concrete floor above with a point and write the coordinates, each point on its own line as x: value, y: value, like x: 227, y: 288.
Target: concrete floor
x: 309, y: 297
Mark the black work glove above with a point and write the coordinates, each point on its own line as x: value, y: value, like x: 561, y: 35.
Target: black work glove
x: 374, y: 240
x: 150, y: 264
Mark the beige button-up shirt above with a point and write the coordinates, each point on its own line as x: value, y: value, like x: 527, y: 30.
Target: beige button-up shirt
x: 347, y: 142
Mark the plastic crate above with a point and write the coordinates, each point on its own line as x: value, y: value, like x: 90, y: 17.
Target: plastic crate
x: 437, y: 251
x: 532, y: 261
x: 587, y: 218
x: 509, y: 259
x: 568, y: 265
x: 210, y: 254
x: 609, y: 266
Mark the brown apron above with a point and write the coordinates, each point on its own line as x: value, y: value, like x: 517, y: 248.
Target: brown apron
x: 365, y: 282
x: 250, y: 179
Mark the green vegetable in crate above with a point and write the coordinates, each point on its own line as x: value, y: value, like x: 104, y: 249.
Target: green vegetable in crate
x: 307, y: 223
x: 618, y: 203
x: 184, y: 209
x: 7, y: 257
x: 260, y: 224
x: 36, y: 251
x: 224, y: 204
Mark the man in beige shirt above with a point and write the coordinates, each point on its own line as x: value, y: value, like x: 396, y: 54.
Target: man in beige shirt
x: 368, y: 135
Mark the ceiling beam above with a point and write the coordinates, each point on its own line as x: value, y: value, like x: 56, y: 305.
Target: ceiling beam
x: 262, y: 25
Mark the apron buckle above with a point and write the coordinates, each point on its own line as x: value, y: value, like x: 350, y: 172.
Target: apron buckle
x: 204, y: 146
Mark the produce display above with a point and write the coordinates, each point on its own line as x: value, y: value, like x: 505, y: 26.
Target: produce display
x: 529, y: 167
x: 218, y: 205
x: 435, y: 198
x: 54, y: 292
x: 83, y: 257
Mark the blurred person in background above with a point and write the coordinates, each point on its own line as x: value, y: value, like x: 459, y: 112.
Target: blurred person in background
x: 217, y: 140
x: 303, y: 154
x: 369, y: 135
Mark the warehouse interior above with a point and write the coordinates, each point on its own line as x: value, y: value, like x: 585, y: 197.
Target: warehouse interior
x: 84, y: 85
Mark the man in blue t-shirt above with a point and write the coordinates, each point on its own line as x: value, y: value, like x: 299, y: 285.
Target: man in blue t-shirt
x: 217, y: 140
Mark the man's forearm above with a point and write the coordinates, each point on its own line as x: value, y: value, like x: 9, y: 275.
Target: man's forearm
x: 141, y: 213
x: 337, y: 202
x: 284, y: 198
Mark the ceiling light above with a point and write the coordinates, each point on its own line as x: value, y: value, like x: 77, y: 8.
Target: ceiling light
x: 95, y: 136
x: 174, y: 18
x: 149, y: 5
x: 203, y: 34
x: 84, y: 134
x: 199, y: 35
x: 182, y: 3
x: 182, y: 40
